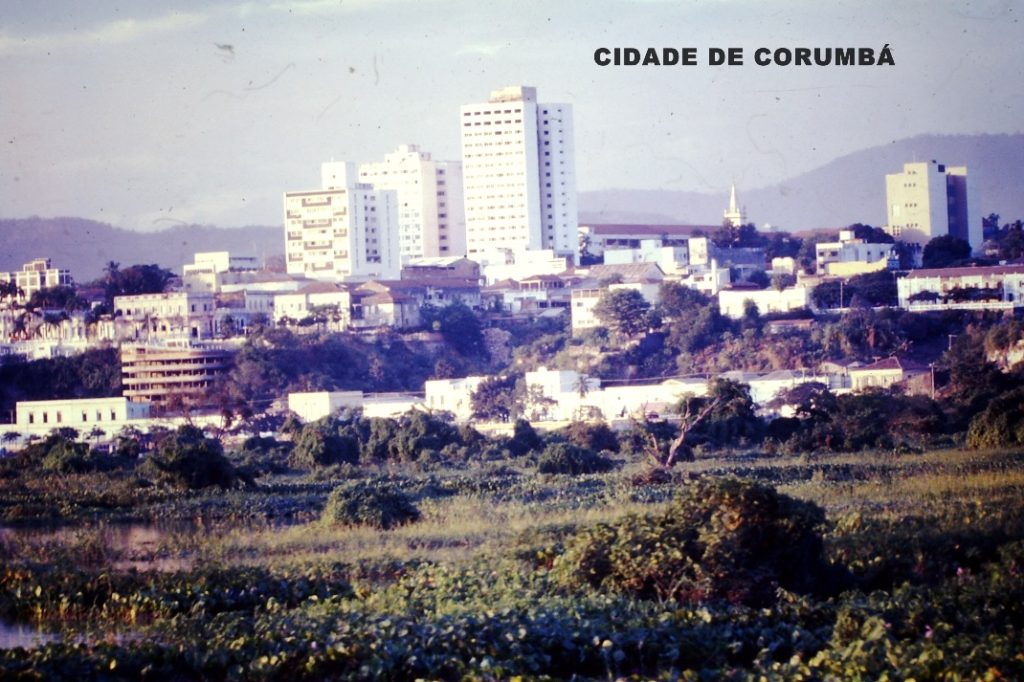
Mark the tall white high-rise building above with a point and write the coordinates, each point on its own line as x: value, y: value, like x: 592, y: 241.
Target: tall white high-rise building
x: 519, y: 174
x: 347, y: 229
x: 431, y: 221
x: 930, y: 199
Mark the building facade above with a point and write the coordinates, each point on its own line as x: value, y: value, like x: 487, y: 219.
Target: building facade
x: 999, y: 287
x: 171, y: 377
x: 431, y: 221
x: 347, y: 229
x: 519, y: 174
x: 929, y: 200
x: 109, y: 414
x: 176, y: 315
x: 36, y: 275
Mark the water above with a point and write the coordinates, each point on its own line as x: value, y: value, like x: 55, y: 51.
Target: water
x: 14, y: 635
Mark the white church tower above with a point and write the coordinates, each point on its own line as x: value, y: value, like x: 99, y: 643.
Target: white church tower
x: 734, y: 215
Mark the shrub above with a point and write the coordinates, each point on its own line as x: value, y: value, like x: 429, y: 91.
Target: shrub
x: 565, y: 458
x: 1001, y: 424
x: 721, y: 539
x: 321, y: 444
x: 369, y: 503
x: 188, y: 459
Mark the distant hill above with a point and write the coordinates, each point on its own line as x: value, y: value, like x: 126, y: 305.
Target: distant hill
x: 848, y: 190
x: 85, y: 246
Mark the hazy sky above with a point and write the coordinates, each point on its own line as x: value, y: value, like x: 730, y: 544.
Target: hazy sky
x: 143, y: 116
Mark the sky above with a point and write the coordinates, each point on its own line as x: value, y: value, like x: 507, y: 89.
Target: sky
x: 147, y: 114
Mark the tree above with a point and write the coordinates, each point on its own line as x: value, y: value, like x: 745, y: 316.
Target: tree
x: 459, y: 326
x: 625, y: 311
x: 188, y: 459
x: 321, y: 443
x: 759, y: 278
x: 945, y: 251
x: 495, y: 399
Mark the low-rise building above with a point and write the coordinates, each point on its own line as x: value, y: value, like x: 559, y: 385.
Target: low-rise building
x: 851, y: 256
x: 108, y: 414
x: 310, y: 406
x: 733, y: 302
x: 177, y: 315
x: 172, y: 377
x: 885, y: 373
x: 330, y: 300
x: 452, y: 395
x: 643, y: 277
x: 999, y: 287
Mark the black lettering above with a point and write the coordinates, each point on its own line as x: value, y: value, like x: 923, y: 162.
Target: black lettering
x: 735, y: 56
x: 802, y: 56
x: 669, y: 56
x: 762, y: 56
x: 823, y: 56
x: 866, y: 56
x: 716, y: 56
x: 885, y: 57
x: 630, y: 56
x: 783, y: 56
x: 845, y: 56
x: 689, y: 56
x: 601, y: 56
x: 651, y: 57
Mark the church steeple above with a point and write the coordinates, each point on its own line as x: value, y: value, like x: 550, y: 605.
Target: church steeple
x: 733, y: 214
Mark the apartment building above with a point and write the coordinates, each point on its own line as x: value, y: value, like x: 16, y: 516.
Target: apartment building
x: 519, y: 174
x: 345, y: 230
x: 431, y: 219
x: 930, y: 199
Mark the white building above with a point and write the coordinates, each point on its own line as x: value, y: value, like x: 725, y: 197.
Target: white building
x: 315, y: 405
x: 929, y: 199
x: 851, y: 256
x: 35, y: 275
x: 452, y: 395
x: 169, y: 315
x: 207, y: 269
x: 733, y: 302
x: 519, y: 174
x: 998, y: 287
x: 334, y: 300
x: 501, y: 264
x: 109, y: 414
x: 344, y: 230
x: 431, y: 218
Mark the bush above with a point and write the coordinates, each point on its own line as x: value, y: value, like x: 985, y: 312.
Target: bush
x: 564, y: 458
x: 321, y: 443
x: 722, y: 539
x: 188, y: 459
x: 369, y: 503
x: 66, y: 456
x: 1001, y: 424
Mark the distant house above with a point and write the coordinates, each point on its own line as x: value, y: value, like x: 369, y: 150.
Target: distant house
x: 999, y: 287
x: 643, y: 277
x: 732, y: 302
x: 885, y: 373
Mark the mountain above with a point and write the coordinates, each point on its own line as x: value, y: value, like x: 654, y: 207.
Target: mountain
x: 849, y: 190
x: 85, y: 246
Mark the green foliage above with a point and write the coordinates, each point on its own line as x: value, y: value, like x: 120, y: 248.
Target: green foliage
x: 66, y: 456
x: 565, y: 458
x: 524, y: 438
x: 874, y: 289
x: 944, y: 251
x: 188, y: 459
x: 369, y: 503
x: 495, y: 398
x: 720, y: 539
x: 459, y: 326
x: 596, y: 436
x: 1001, y: 424
x: 324, y: 443
x: 95, y: 373
x: 625, y: 311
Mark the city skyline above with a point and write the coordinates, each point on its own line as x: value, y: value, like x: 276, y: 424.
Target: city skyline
x: 207, y: 114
